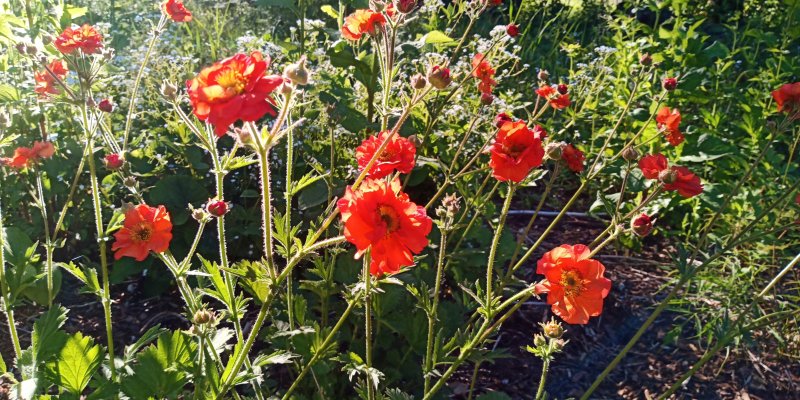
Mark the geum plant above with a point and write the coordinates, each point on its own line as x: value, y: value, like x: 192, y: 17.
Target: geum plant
x: 241, y: 311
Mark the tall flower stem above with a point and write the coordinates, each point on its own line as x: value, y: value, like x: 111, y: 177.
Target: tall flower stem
x: 521, y: 239
x: 6, y: 300
x: 543, y: 378
x: 368, y: 326
x: 288, y: 218
x: 101, y: 239
x: 495, y: 242
x: 433, y: 313
x: 134, y: 91
x: 48, y: 244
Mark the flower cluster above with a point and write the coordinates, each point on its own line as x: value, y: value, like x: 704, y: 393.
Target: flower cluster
x: 46, y: 80
x: 674, y: 178
x: 25, y: 157
x: 558, y: 98
x: 484, y: 72
x: 362, y: 22
x: 668, y: 121
x: 84, y: 38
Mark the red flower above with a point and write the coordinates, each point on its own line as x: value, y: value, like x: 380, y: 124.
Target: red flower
x: 106, y: 105
x: 380, y: 218
x: 512, y: 30
x: 45, y: 82
x: 145, y: 229
x: 176, y: 11
x: 555, y: 99
x: 573, y: 158
x: 86, y: 38
x: 484, y: 72
x: 362, y: 22
x: 114, y: 161
x: 501, y: 119
x: 236, y: 88
x: 439, y: 77
x: 787, y: 97
x: 668, y: 121
x: 27, y: 156
x: 515, y: 151
x: 642, y: 225
x: 217, y: 208
x: 574, y: 283
x: 669, y: 84
x: 397, y: 155
x: 674, y: 178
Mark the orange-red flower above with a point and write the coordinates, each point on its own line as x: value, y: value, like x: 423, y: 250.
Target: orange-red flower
x: 176, y: 11
x: 145, y: 229
x: 86, y: 38
x: 573, y: 158
x: 516, y: 150
x: 27, y: 156
x: 556, y: 100
x: 787, y: 97
x: 674, y: 178
x: 362, y: 22
x: 236, y: 88
x: 45, y: 82
x: 669, y: 122
x: 574, y: 283
x: 380, y: 218
x: 483, y: 71
x: 398, y: 155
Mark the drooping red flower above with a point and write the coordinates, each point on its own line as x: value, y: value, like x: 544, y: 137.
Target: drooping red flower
x: 398, y: 155
x: 380, y: 218
x: 145, y: 229
x: 574, y: 283
x: 439, y: 76
x: 787, y: 97
x: 642, y: 225
x: 217, y: 208
x: 668, y: 121
x: 674, y: 178
x: 362, y: 22
x: 483, y: 71
x: 25, y: 157
x: 556, y: 100
x: 516, y: 151
x: 236, y: 88
x: 573, y: 158
x: 669, y: 84
x: 114, y: 161
x: 86, y: 38
x: 45, y: 82
x: 176, y: 11
x: 512, y: 30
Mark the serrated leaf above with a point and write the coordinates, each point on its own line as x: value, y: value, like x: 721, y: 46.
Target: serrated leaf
x: 77, y: 362
x: 436, y: 37
x: 278, y: 357
x: 161, y: 370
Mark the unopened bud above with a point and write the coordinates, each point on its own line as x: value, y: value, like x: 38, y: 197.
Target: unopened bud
x: 31, y: 49
x: 553, y: 150
x: 667, y: 176
x: 553, y: 329
x: 642, y: 225
x: 669, y: 84
x: 114, y: 161
x: 646, y: 59
x: 203, y: 317
x: 487, y: 99
x: 129, y: 182
x: 287, y: 88
x: 562, y: 88
x: 501, y: 119
x: 297, y: 72
x: 630, y: 154
x: 405, y: 6
x: 217, y: 208
x: 418, y: 82
x: 199, y: 214
x: 439, y: 77
x: 91, y: 103
x: 47, y: 39
x: 169, y: 91
x: 414, y: 139
x: 21, y: 48
x: 539, y: 340
x: 512, y: 30
x: 451, y: 204
x: 106, y: 105
x: 543, y: 75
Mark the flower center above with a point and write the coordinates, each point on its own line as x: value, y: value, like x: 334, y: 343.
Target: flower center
x: 142, y: 232
x: 232, y: 80
x: 572, y: 283
x: 389, y: 218
x: 515, y: 150
x: 386, y: 155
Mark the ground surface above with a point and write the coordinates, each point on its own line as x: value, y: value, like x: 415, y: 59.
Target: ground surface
x: 648, y: 369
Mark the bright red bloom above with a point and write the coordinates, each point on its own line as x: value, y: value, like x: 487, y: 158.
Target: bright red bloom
x: 114, y: 161
x: 399, y: 155
x: 557, y: 100
x: 176, y: 11
x: 642, y: 225
x: 574, y: 283
x: 787, y: 97
x: 236, y: 88
x: 483, y: 72
x: 145, y: 229
x: 106, y: 105
x: 675, y: 178
x: 512, y: 30
x: 362, y: 22
x: 669, y: 121
x: 516, y: 151
x: 380, y: 218
x: 86, y: 38
x: 27, y: 156
x: 573, y: 158
x: 45, y: 82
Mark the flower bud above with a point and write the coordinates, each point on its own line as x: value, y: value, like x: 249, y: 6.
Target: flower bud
x: 217, y: 208
x: 487, y: 99
x: 539, y: 340
x: 107, y: 53
x: 669, y: 84
x: 129, y: 182
x: 439, y: 77
x: 91, y: 103
x: 114, y: 161
x: 451, y: 204
x: 553, y: 329
x: 106, y: 105
x: 47, y: 39
x: 21, y: 47
x: 559, y: 344
x: 642, y: 225
x: 646, y: 59
x: 667, y: 176
x: 169, y: 91
x: 415, y: 140
x: 31, y: 49
x: 512, y: 30
x: 418, y: 82
x: 203, y: 317
x: 630, y: 154
x: 297, y: 72
x: 553, y: 150
x: 501, y: 119
x: 405, y: 6
x: 543, y: 75
x: 562, y: 88
x: 287, y: 87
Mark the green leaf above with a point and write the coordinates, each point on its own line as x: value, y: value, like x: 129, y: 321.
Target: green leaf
x: 8, y: 93
x: 47, y: 340
x: 77, y: 362
x: 330, y: 11
x: 3, y: 368
x: 161, y: 370
x: 175, y: 192
x: 436, y: 37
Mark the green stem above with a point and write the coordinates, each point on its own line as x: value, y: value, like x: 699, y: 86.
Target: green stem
x: 368, y: 326
x: 432, y: 316
x: 288, y: 217
x: 6, y: 300
x: 48, y: 242
x: 495, y: 242
x: 543, y: 379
